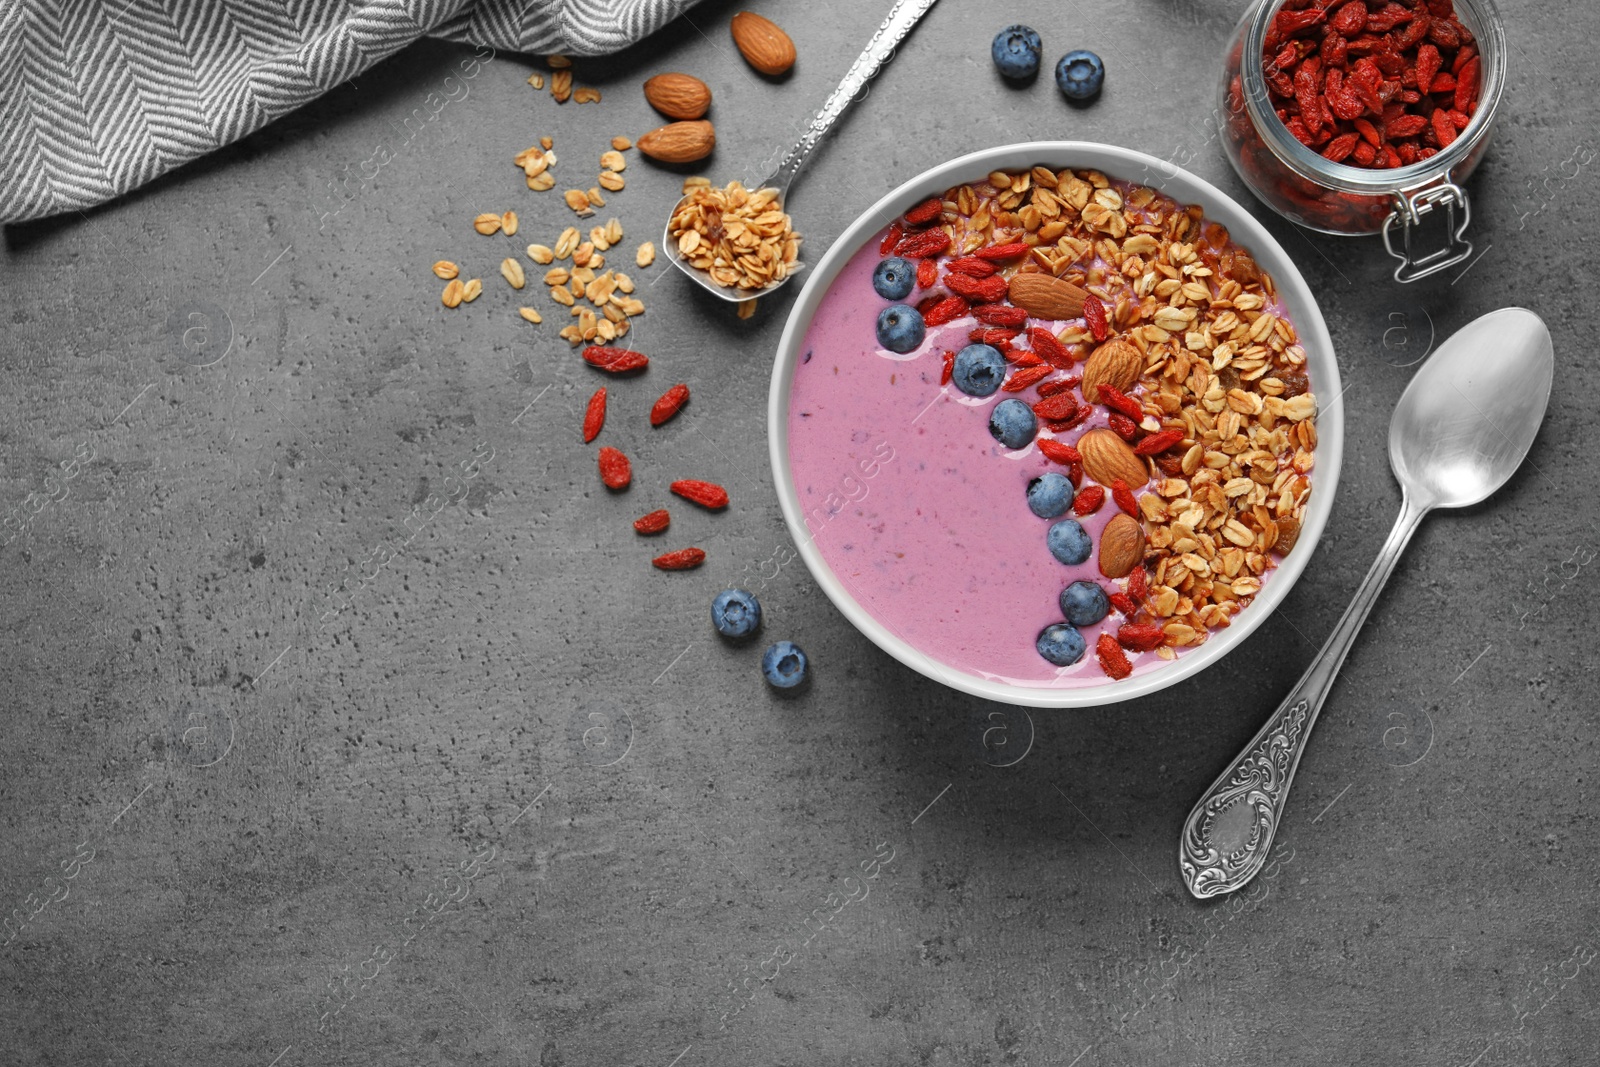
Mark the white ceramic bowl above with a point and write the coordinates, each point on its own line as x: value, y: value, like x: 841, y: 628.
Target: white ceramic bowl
x: 1186, y: 189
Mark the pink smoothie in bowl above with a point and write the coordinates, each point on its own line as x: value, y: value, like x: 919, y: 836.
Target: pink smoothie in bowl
x: 915, y: 519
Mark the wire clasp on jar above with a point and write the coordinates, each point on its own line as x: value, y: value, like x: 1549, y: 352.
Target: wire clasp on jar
x: 1408, y: 212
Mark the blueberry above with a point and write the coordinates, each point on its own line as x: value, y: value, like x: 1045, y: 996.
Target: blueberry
x: 1069, y: 542
x: 784, y: 665
x: 1061, y: 644
x: 1084, y: 603
x: 1080, y: 74
x: 1013, y: 423
x: 1016, y: 52
x: 735, y: 613
x: 900, y: 328
x: 979, y: 370
x: 1049, y: 495
x: 894, y: 278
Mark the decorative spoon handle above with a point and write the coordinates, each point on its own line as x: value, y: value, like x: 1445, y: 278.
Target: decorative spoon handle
x: 901, y: 18
x: 1227, y: 836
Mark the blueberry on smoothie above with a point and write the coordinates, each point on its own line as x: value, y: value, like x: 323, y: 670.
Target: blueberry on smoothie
x: 784, y: 665
x: 1016, y: 52
x: 1079, y: 75
x: 1061, y: 644
x: 894, y: 278
x: 735, y: 613
x: 1069, y: 542
x: 1084, y: 603
x: 900, y: 328
x: 979, y: 370
x: 1050, y: 495
x: 1013, y: 423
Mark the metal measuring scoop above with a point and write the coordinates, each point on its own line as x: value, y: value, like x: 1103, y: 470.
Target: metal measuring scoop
x: 1459, y: 433
x: 901, y: 18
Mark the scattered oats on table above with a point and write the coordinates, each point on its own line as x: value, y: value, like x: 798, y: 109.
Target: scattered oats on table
x: 512, y: 272
x: 621, y: 144
x: 561, y: 86
x: 530, y: 314
x: 451, y: 297
x: 536, y: 80
x: 471, y: 290
x: 585, y: 95
x: 446, y: 269
x: 487, y: 223
x: 646, y: 254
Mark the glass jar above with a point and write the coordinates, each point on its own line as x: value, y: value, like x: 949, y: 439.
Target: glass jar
x: 1334, y: 198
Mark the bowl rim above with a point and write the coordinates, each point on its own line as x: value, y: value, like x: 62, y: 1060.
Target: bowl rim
x: 1127, y: 165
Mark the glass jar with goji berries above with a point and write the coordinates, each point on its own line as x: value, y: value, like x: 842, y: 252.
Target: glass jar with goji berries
x: 1363, y: 116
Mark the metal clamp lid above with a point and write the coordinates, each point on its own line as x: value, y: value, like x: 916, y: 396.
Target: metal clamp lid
x: 1409, y: 210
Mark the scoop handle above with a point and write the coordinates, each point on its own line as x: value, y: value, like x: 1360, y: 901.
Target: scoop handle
x: 879, y: 50
x: 1227, y: 836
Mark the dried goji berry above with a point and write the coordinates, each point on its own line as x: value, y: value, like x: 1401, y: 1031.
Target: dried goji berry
x: 949, y: 368
x: 978, y: 268
x: 923, y: 243
x: 1049, y: 346
x: 925, y: 212
x: 1334, y: 52
x: 1443, y: 128
x: 1123, y: 603
x: 1350, y: 19
x: 1124, y: 497
x: 1340, y: 147
x: 1467, y: 84
x: 928, y: 303
x: 1010, y: 251
x: 1123, y: 426
x: 594, y: 416
x: 1057, y: 451
x: 1025, y: 377
x: 1442, y: 32
x: 1117, y: 401
x: 1058, y: 407
x: 927, y: 272
x: 1094, y: 316
x: 978, y: 290
x: 1113, y: 660
x: 614, y: 360
x: 1289, y: 23
x: 1140, y: 636
x: 946, y: 310
x: 670, y: 404
x: 1404, y: 126
x: 1023, y: 358
x: 1368, y: 132
x: 1088, y: 500
x: 1138, y: 585
x: 706, y: 494
x: 1364, y: 154
x: 654, y: 522
x: 1059, y: 385
x: 892, y: 238
x: 1158, y: 442
x: 681, y: 560
x: 1000, y: 314
x: 1075, y: 474
x: 1428, y: 64
x: 615, y: 470
x: 993, y: 335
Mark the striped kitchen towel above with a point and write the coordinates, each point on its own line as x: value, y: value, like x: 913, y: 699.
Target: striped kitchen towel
x: 101, y: 96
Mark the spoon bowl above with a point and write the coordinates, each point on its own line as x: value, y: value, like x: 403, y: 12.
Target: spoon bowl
x: 1460, y: 431
x: 1468, y: 418
x: 879, y: 50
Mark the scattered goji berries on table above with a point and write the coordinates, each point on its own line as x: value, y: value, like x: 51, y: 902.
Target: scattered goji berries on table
x: 670, y: 404
x: 615, y: 470
x: 683, y: 559
x: 706, y: 494
x: 594, y: 416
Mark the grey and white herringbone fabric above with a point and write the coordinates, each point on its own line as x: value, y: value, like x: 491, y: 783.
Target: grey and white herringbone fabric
x: 100, y: 97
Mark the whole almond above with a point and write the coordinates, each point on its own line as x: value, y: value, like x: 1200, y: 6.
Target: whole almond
x: 1115, y: 363
x: 679, y: 142
x: 677, y: 96
x: 1121, y: 546
x: 1046, y: 297
x: 1107, y: 457
x: 763, y: 45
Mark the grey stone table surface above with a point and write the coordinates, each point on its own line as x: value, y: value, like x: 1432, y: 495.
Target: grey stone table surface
x: 516, y: 804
